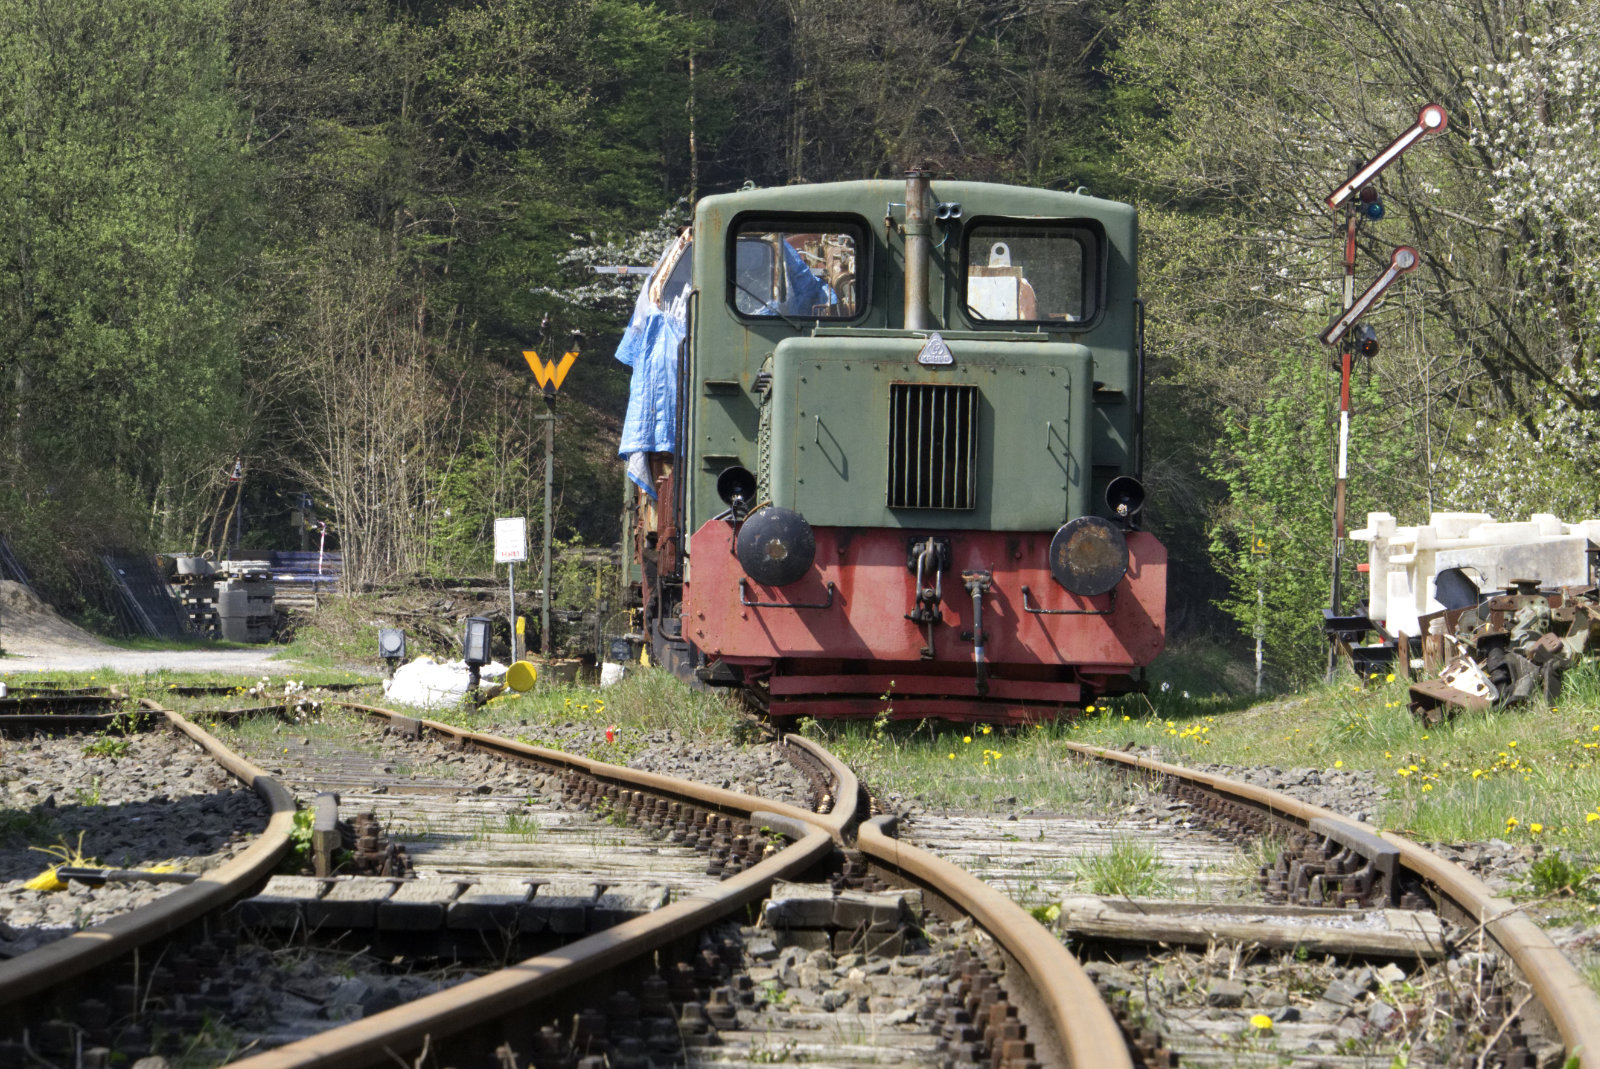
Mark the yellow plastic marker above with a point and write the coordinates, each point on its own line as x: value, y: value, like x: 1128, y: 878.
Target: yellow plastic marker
x: 46, y: 881
x: 521, y: 675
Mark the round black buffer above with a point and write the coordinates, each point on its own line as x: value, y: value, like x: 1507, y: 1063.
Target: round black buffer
x: 776, y: 546
x: 736, y: 483
x: 1088, y: 555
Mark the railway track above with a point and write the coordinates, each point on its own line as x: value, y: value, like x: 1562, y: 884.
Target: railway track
x: 921, y: 961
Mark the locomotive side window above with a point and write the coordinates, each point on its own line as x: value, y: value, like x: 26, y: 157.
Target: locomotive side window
x: 797, y: 274
x: 1031, y: 274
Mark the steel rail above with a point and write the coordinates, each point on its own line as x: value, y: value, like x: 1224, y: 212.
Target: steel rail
x: 1572, y: 1006
x: 1087, y: 1031
x: 31, y: 977
x: 476, y: 1004
x: 1084, y: 1025
x: 636, y: 779
x: 380, y: 1039
x: 846, y: 812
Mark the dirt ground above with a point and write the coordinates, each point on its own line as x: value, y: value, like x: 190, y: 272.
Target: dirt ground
x: 35, y: 638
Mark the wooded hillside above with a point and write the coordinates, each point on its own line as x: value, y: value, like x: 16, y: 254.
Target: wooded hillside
x: 316, y: 235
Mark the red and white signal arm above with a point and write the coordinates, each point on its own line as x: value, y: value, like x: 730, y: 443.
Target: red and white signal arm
x: 510, y: 540
x: 1403, y: 259
x: 1430, y: 120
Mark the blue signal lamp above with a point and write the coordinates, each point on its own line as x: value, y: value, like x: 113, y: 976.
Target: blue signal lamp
x: 1373, y: 211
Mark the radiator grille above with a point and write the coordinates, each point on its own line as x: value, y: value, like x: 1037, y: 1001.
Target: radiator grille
x: 931, y: 445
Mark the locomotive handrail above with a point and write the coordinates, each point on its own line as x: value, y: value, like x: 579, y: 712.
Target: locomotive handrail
x: 1027, y: 592
x: 782, y: 604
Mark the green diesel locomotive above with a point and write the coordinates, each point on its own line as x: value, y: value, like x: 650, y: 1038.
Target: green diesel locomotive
x: 885, y: 445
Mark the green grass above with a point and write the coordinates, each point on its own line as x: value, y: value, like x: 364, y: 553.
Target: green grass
x: 1127, y: 868
x: 106, y: 746
x: 1531, y: 773
x: 972, y: 766
x: 644, y: 702
x: 145, y: 642
x: 159, y: 685
x: 520, y: 826
x: 26, y: 827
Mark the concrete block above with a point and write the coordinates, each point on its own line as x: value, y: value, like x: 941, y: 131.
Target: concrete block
x: 489, y: 905
x: 352, y: 902
x: 560, y: 906
x: 804, y: 938
x: 873, y: 944
x: 876, y: 911
x: 418, y: 905
x: 798, y: 905
x: 281, y: 903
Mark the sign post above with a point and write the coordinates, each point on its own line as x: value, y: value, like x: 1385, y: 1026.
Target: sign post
x: 1362, y: 202
x: 510, y: 547
x: 549, y: 377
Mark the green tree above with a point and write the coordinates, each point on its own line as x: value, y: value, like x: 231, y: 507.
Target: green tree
x: 1272, y: 537
x: 121, y: 230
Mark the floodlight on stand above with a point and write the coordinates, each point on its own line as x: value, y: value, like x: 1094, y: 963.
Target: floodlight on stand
x: 391, y: 647
x: 475, y: 647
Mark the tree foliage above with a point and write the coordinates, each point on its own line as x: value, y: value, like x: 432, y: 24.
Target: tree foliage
x: 316, y: 235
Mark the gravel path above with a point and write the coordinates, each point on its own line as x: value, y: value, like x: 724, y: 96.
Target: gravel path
x: 35, y: 638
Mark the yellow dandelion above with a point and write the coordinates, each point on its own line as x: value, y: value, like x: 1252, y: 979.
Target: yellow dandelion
x: 1590, y: 818
x: 986, y: 729
x: 1338, y: 764
x: 952, y: 757
x: 966, y: 738
x: 1390, y: 679
x: 1126, y: 717
x: 1511, y: 822
x: 1536, y: 828
x: 1262, y: 1022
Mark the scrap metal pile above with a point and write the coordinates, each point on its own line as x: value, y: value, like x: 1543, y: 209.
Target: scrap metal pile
x: 1504, y: 649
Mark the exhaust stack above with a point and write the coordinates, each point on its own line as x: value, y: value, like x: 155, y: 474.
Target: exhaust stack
x: 918, y: 250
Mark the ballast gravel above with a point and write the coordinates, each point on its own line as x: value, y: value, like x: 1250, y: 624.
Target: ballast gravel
x: 753, y: 768
x: 161, y: 801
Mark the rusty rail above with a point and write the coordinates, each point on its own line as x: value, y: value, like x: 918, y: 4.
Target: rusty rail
x: 1572, y: 1006
x: 1087, y: 1032
x: 34, y: 978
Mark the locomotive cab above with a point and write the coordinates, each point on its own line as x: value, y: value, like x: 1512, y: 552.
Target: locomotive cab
x: 905, y: 469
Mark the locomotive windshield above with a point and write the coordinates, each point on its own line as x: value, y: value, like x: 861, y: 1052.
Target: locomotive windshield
x: 808, y: 274
x: 1030, y: 273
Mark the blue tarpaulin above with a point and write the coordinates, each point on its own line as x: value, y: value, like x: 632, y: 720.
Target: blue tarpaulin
x: 650, y: 344
x: 650, y: 347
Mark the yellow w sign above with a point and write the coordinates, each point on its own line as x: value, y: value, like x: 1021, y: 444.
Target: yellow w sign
x: 549, y: 376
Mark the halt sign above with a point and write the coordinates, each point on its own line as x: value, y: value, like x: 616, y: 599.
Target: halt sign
x: 510, y: 540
